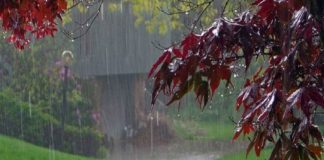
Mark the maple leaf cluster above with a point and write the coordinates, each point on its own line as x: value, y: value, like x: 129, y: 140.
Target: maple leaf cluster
x: 24, y: 19
x: 280, y: 100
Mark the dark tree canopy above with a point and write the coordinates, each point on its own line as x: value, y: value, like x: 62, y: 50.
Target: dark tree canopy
x: 280, y: 100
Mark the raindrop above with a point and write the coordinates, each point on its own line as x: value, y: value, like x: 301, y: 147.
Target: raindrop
x: 222, y: 95
x: 29, y: 104
x: 121, y: 6
x: 187, y: 13
x: 87, y: 24
x: 174, y: 65
x: 178, y: 115
x: 102, y: 12
x: 157, y: 118
x: 21, y: 122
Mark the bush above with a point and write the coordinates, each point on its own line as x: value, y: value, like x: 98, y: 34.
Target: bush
x: 42, y: 129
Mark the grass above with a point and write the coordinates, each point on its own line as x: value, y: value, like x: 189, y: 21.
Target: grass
x: 203, y: 130
x: 191, y: 123
x: 265, y: 154
x: 13, y: 149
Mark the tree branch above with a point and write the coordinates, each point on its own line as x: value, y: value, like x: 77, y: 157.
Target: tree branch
x: 224, y: 8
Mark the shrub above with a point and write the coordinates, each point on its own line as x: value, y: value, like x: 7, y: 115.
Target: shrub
x: 42, y: 129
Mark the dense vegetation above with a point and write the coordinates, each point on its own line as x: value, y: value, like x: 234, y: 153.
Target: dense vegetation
x: 14, y: 149
x: 279, y: 101
x: 42, y: 129
x: 31, y: 100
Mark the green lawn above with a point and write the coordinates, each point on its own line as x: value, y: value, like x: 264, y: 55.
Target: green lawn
x: 203, y: 130
x: 13, y: 149
x: 191, y: 123
x: 265, y: 154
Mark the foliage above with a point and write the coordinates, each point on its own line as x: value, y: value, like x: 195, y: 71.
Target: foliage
x: 35, y: 76
x: 30, y: 76
x: 39, y: 82
x: 280, y: 100
x: 164, y: 15
x: 25, y: 21
x: 19, y: 150
x: 42, y: 129
x: 24, y: 18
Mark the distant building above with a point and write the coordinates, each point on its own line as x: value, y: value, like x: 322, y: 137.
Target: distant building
x: 116, y: 56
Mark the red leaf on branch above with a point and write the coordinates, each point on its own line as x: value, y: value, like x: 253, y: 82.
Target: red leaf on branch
x: 315, y: 95
x: 164, y: 57
x: 183, y: 89
x: 317, y: 150
x: 267, y: 104
x: 266, y: 7
x: 34, y: 18
x: 315, y: 132
x: 62, y: 4
x: 202, y: 93
x: 219, y: 73
x: 288, y: 35
x: 189, y: 43
x: 237, y: 133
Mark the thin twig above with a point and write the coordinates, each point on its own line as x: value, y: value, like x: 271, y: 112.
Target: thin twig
x: 201, y: 14
x: 196, y: 6
x: 88, y: 22
x: 224, y: 8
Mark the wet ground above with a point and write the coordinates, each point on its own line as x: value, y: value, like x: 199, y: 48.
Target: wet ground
x: 180, y: 150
